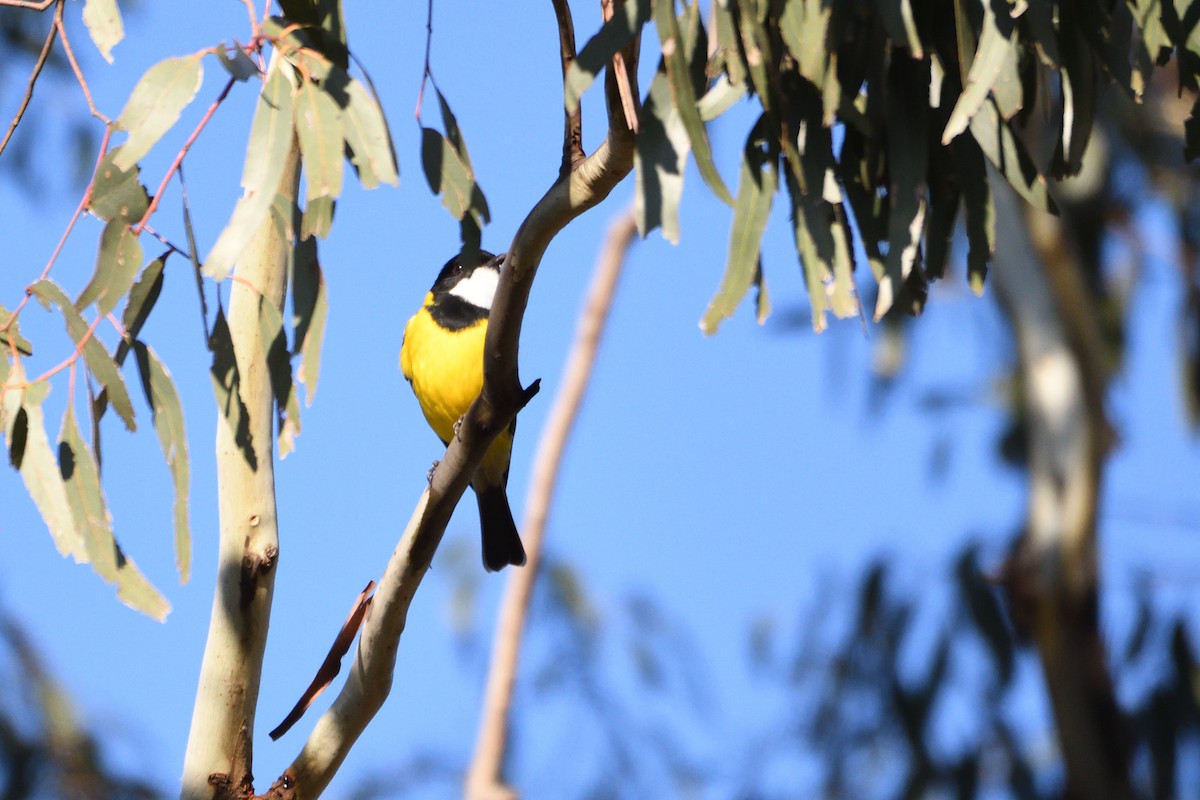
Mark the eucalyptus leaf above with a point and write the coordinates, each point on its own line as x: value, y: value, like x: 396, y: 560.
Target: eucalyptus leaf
x: 167, y: 411
x: 756, y: 189
x: 319, y: 128
x: 155, y: 105
x: 10, y: 336
x: 226, y: 383
x: 30, y: 453
x: 310, y: 309
x: 675, y: 57
x: 270, y: 136
x: 368, y: 141
x: 98, y: 361
x: 104, y: 25
x: 239, y: 65
x: 81, y: 477
x: 117, y: 194
x: 659, y: 162
x: 627, y: 21
x: 116, y: 265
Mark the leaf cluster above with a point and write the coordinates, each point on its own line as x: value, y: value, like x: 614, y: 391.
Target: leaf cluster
x: 879, y: 121
x: 308, y: 97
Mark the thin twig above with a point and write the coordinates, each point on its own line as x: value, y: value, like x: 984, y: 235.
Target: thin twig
x: 572, y: 120
x: 171, y: 246
x: 87, y: 93
x: 484, y: 778
x: 183, y: 151
x: 71, y: 359
x: 40, y: 5
x: 33, y: 76
x: 425, y: 71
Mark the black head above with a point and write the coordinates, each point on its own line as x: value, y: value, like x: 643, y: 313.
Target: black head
x: 457, y: 268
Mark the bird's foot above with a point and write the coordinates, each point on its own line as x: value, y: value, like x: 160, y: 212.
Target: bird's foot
x: 433, y: 469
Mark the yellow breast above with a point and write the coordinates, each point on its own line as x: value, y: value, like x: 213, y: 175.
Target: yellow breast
x: 445, y: 368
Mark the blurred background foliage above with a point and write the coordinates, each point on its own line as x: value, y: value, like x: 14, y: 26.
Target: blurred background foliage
x: 913, y: 688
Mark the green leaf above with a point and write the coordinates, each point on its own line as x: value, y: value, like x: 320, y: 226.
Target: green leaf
x: 906, y: 114
x: 319, y: 129
x: 317, y: 219
x: 1079, y: 75
x: 30, y: 454
x: 626, y: 22
x: 143, y: 296
x: 103, y: 21
x: 450, y: 177
x: 1008, y: 154
x: 719, y: 98
x: 11, y: 337
x: 116, y: 193
x: 979, y: 210
x: 310, y: 308
x: 663, y: 143
x: 675, y: 57
x: 240, y: 66
x: 659, y: 161
x: 270, y: 137
x: 273, y: 340
x: 727, y: 55
x: 193, y: 251
x: 226, y: 382
x: 756, y: 188
x: 324, y: 23
x: 897, y: 17
x: 116, y: 265
x: 762, y: 298
x: 996, y: 57
x: 98, y: 361
x: 453, y: 132
x: 81, y: 478
x: 804, y: 26
x: 944, y: 196
x: 167, y: 411
x: 367, y: 137
x: 155, y: 105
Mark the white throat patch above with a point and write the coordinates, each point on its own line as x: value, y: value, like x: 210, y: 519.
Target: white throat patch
x: 478, y: 288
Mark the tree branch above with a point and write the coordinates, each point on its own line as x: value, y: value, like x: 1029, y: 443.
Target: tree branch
x: 484, y: 777
x: 572, y: 120
x: 1053, y: 579
x: 33, y: 76
x: 220, y: 742
x: 370, y: 677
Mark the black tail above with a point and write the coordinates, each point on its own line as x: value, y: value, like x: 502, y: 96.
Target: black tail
x: 501, y: 542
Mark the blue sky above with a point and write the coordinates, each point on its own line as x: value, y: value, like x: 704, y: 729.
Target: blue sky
x: 727, y: 477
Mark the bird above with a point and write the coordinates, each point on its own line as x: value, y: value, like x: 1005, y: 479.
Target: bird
x: 442, y: 360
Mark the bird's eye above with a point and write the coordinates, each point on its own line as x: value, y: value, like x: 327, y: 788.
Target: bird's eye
x: 458, y: 269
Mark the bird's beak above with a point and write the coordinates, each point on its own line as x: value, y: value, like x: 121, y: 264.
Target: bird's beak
x: 498, y: 261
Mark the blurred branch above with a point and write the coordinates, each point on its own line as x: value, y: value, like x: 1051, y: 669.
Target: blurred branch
x: 219, y: 752
x: 33, y: 76
x: 1054, y: 578
x: 484, y: 777
x: 370, y: 677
